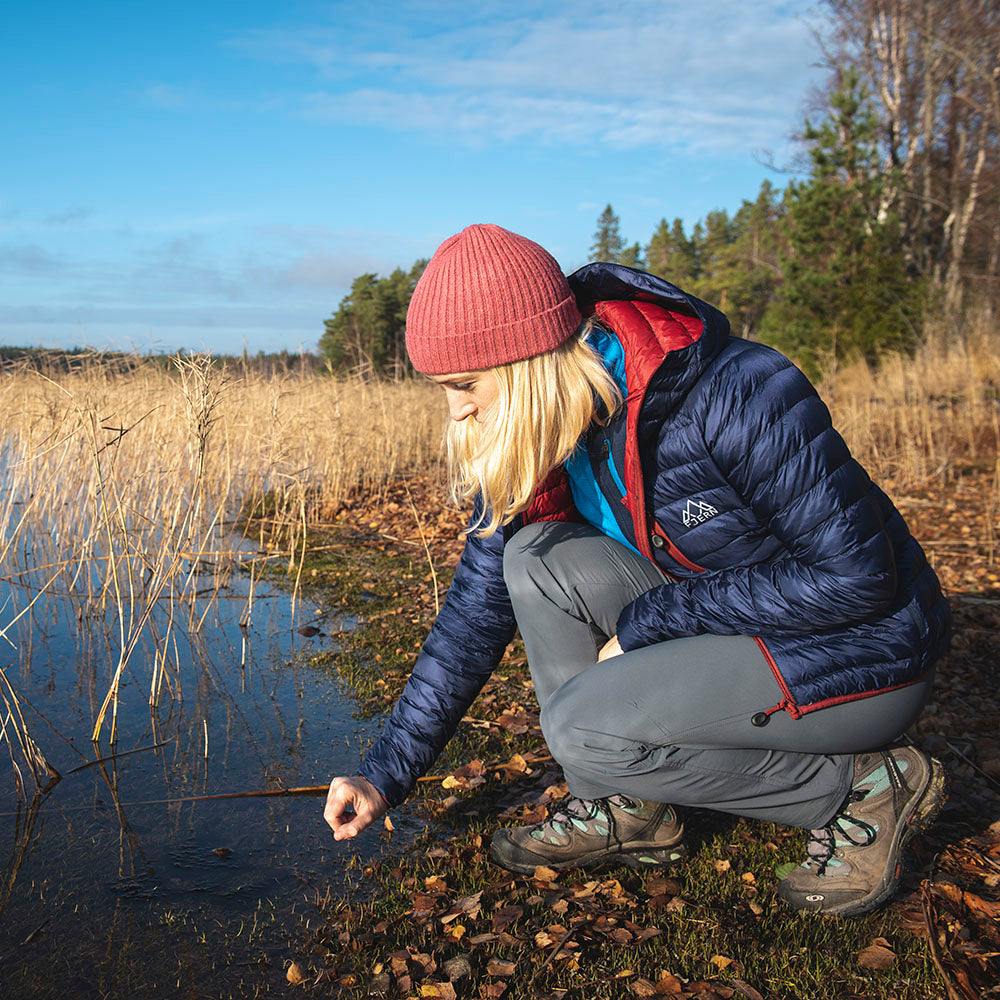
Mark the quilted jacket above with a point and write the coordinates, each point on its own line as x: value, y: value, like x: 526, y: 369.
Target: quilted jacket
x: 740, y: 490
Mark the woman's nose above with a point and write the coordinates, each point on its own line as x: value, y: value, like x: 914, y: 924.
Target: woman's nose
x: 460, y: 406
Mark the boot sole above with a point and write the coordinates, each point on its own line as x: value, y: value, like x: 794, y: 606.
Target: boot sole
x: 503, y: 852
x: 923, y: 813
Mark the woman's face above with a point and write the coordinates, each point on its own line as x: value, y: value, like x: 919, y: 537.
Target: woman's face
x: 470, y: 394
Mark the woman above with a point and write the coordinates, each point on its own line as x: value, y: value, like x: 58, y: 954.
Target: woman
x: 719, y: 608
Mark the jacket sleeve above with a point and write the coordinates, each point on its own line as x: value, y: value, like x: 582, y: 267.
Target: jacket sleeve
x: 465, y: 644
x: 770, y: 436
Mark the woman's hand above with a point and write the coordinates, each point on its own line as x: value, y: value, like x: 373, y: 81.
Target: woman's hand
x: 609, y: 649
x: 351, y: 805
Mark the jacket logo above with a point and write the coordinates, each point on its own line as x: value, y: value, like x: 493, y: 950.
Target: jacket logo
x: 696, y: 512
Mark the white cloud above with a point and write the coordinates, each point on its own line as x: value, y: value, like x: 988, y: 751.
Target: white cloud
x: 721, y: 76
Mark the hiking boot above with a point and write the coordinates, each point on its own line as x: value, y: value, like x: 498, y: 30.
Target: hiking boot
x: 590, y: 833
x: 854, y: 861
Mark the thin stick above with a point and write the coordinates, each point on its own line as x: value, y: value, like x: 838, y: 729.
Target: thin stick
x: 427, y: 550
x: 559, y: 947
x: 975, y: 767
x: 927, y: 907
x: 116, y: 756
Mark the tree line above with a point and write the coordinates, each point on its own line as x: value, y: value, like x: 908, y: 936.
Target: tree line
x: 893, y: 218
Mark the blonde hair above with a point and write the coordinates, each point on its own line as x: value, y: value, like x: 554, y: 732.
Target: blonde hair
x: 544, y: 405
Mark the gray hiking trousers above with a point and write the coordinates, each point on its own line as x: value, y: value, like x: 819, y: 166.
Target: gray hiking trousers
x: 671, y: 722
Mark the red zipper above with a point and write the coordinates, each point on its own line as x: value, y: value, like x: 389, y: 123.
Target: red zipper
x: 787, y: 702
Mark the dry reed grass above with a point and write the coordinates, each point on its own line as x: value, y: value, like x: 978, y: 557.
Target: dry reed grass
x: 121, y: 488
x: 925, y: 419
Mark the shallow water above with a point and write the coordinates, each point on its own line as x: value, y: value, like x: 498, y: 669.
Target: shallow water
x: 106, y: 893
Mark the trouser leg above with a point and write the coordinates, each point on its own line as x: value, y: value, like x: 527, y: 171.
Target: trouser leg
x: 671, y: 722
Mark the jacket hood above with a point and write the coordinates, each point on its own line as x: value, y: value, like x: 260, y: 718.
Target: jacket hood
x: 672, y: 336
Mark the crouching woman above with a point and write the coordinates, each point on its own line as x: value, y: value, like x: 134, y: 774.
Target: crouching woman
x: 720, y: 609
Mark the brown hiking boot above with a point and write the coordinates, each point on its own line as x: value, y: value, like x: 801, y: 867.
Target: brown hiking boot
x: 590, y: 833
x: 854, y: 861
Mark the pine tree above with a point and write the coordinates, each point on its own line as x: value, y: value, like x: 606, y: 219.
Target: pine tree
x: 608, y: 243
x: 672, y: 255
x: 367, y: 333
x: 747, y: 270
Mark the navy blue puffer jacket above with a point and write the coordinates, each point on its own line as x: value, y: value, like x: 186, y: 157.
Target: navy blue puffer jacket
x: 741, y: 491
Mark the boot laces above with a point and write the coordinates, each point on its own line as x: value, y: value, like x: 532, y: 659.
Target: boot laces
x: 570, y: 808
x: 823, y: 841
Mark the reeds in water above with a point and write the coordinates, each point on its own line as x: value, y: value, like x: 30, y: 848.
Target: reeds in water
x: 122, y: 486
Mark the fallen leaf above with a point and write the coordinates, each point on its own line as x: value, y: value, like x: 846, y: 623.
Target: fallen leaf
x: 459, y: 967
x: 500, y: 967
x: 721, y: 961
x: 295, y: 974
x: 643, y: 988
x: 668, y: 984
x: 545, y: 874
x: 663, y: 887
x: 722, y: 865
x: 506, y: 916
x: 423, y: 903
x: 746, y: 989
x: 876, y: 957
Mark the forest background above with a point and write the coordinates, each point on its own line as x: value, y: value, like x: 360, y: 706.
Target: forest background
x: 890, y: 227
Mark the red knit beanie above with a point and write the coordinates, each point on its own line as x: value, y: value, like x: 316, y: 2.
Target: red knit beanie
x: 487, y: 297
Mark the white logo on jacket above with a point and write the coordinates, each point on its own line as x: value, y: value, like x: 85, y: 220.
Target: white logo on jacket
x: 696, y: 512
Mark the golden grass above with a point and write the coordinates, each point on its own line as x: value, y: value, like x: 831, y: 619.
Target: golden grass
x: 925, y: 419
x: 121, y: 488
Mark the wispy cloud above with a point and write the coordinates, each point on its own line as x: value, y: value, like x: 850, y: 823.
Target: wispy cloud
x: 726, y: 75
x: 28, y: 260
x: 69, y: 216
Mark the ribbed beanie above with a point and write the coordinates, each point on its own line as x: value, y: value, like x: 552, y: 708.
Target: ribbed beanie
x: 487, y: 297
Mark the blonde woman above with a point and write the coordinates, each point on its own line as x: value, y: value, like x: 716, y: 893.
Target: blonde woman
x: 719, y: 608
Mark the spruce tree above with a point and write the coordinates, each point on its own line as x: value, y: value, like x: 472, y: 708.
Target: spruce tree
x: 672, y: 255
x: 845, y: 289
x: 608, y: 243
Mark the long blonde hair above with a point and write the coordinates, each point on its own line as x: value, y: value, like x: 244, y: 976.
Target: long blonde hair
x: 544, y: 405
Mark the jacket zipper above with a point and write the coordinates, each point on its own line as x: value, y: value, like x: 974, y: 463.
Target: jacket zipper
x: 787, y: 702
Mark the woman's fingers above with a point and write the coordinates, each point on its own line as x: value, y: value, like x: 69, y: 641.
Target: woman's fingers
x: 610, y: 648
x: 351, y: 805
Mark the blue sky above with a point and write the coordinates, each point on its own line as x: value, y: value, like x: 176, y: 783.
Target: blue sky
x: 212, y: 175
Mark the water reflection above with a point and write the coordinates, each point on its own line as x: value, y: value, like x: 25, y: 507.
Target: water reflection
x: 114, y: 879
